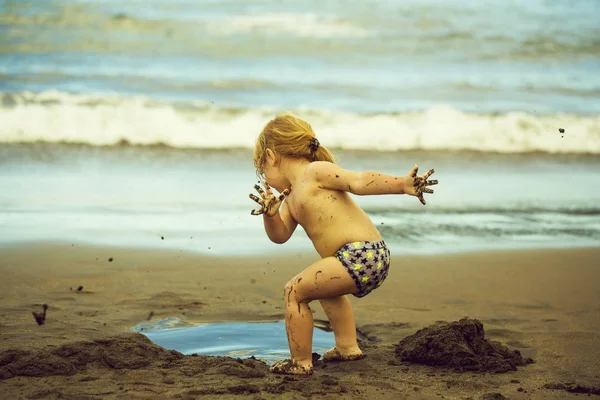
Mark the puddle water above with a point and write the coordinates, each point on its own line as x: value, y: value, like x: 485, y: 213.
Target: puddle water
x: 264, y: 340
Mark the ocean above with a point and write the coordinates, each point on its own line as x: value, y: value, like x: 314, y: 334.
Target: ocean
x: 132, y: 123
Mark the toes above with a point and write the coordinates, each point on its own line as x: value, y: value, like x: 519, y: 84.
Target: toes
x: 335, y: 355
x: 289, y: 367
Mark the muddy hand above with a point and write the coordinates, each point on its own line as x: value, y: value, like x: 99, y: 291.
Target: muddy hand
x: 419, y: 184
x: 268, y: 202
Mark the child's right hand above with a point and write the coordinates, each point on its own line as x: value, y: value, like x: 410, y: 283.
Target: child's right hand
x: 269, y: 203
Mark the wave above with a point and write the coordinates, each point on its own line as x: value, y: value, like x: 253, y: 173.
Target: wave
x: 522, y: 211
x: 296, y: 24
x: 301, y: 25
x: 104, y: 120
x: 360, y: 29
x: 163, y: 79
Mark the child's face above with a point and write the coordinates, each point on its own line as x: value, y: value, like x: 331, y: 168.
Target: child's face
x: 270, y: 171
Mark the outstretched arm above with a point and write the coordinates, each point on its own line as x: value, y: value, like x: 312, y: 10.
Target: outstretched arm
x: 332, y: 176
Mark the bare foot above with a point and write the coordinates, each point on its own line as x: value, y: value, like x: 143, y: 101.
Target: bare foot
x: 334, y: 354
x: 289, y: 367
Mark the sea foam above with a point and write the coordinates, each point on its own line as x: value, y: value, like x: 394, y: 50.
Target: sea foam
x: 101, y: 120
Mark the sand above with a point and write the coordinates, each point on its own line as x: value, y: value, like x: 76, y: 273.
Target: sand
x: 545, y: 304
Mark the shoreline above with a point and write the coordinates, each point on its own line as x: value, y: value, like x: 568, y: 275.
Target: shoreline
x: 544, y: 303
x: 304, y: 248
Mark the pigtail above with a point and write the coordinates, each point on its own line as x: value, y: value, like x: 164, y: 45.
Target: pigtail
x: 290, y: 136
x: 318, y: 152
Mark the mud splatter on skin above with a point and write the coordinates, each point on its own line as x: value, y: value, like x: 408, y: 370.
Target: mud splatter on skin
x: 297, y: 302
x: 420, y: 183
x: 291, y: 316
x: 296, y: 343
x: 267, y: 201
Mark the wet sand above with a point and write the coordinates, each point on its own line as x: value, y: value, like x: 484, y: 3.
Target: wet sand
x: 543, y: 303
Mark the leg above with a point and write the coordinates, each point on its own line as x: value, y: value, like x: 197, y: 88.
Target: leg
x: 339, y: 312
x: 325, y: 279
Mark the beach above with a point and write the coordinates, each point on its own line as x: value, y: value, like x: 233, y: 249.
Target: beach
x: 126, y: 159
x: 544, y: 303
x: 121, y: 242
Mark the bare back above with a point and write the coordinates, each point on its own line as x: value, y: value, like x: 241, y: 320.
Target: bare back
x: 330, y: 218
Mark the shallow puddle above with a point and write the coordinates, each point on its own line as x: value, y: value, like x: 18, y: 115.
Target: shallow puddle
x: 264, y: 340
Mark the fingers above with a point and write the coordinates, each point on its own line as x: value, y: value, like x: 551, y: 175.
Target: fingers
x: 260, y: 201
x: 277, y: 200
x: 421, y: 183
x: 268, y: 200
x: 267, y: 187
x: 413, y: 172
x: 260, y: 191
x: 256, y: 199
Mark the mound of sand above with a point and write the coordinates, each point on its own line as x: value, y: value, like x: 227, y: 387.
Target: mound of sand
x: 122, y: 352
x: 460, y: 345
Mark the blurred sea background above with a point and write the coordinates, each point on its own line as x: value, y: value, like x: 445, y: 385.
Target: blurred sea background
x: 131, y: 123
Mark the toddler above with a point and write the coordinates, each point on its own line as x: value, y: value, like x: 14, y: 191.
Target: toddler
x: 314, y: 192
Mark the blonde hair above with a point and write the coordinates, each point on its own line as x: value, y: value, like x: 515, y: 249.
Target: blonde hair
x: 290, y: 136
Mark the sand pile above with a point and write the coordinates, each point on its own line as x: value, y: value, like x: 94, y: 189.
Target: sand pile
x: 460, y: 345
x: 121, y: 352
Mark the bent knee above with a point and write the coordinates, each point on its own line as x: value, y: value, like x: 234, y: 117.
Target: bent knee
x: 291, y: 291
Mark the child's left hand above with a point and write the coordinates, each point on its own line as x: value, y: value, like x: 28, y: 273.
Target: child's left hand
x: 417, y: 185
x: 269, y: 203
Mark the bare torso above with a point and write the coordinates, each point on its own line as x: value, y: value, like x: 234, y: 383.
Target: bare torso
x: 330, y: 218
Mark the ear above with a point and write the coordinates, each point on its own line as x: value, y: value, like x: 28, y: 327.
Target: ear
x: 272, y: 157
